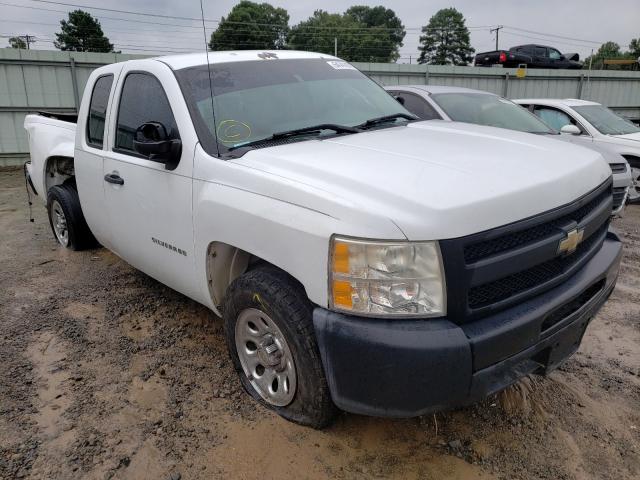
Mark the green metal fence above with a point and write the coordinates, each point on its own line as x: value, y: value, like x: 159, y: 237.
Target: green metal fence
x: 32, y: 80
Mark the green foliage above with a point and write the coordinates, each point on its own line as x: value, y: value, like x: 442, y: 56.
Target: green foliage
x: 445, y: 40
x: 357, y: 41
x: 385, y: 18
x: 17, y: 42
x: 612, y: 51
x: 634, y: 48
x: 251, y: 26
x: 82, y: 33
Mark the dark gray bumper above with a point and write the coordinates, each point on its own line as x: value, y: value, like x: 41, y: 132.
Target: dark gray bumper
x: 404, y: 368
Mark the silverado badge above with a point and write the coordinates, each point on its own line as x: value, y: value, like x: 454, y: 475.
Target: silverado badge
x: 569, y: 244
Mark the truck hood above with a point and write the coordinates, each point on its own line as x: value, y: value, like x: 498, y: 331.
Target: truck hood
x: 436, y: 179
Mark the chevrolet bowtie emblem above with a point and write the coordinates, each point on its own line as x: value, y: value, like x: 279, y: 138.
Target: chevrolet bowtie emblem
x: 569, y: 244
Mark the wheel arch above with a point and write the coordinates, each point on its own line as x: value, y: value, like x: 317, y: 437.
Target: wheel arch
x: 225, y: 263
x: 58, y: 169
x: 634, y: 160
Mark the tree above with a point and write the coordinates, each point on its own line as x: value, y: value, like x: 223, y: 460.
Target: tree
x: 608, y: 50
x: 634, y: 48
x: 445, y: 40
x: 82, y: 33
x: 387, y: 21
x: 251, y: 26
x: 356, y: 41
x: 17, y: 42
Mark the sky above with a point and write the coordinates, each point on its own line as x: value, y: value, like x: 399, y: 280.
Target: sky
x: 569, y: 25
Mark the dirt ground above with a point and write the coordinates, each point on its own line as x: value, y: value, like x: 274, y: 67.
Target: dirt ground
x: 105, y: 373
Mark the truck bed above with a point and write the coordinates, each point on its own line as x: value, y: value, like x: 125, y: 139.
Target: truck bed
x: 48, y: 137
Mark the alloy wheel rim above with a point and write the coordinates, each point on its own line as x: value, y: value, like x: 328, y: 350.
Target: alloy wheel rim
x: 265, y: 357
x: 59, y: 222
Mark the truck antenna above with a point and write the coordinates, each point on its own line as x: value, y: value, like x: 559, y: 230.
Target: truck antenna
x: 206, y: 49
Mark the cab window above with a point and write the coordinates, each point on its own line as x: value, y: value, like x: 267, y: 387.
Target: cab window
x: 142, y: 100
x: 98, y: 111
x: 417, y: 105
x: 554, y: 54
x: 554, y: 118
x: 540, y: 52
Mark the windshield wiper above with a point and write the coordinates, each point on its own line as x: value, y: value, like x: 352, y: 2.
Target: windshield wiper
x: 300, y: 131
x: 386, y: 118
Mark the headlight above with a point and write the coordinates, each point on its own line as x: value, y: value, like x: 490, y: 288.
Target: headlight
x: 386, y: 278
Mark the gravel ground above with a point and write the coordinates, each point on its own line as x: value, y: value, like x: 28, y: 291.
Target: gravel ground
x: 105, y: 373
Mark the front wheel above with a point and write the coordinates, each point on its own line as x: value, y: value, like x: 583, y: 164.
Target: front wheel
x: 270, y: 336
x: 634, y: 190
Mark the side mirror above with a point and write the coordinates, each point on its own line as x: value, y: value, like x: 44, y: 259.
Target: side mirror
x: 399, y: 99
x: 570, y: 129
x: 152, y: 140
x: 562, y: 57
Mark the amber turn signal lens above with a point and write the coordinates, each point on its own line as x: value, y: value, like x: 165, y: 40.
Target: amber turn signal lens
x: 342, y: 294
x: 341, y: 258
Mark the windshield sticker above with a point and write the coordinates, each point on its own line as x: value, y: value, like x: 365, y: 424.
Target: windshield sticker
x: 341, y: 65
x: 233, y: 131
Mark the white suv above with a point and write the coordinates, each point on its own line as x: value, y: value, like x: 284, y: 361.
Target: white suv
x: 597, y: 122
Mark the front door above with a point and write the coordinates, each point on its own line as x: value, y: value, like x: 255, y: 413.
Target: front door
x: 149, y: 206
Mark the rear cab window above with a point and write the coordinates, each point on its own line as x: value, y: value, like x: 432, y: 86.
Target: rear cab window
x: 98, y: 110
x: 142, y: 100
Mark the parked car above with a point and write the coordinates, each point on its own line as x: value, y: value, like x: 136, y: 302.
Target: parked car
x: 325, y: 224
x: 533, y: 56
x: 483, y: 108
x: 595, y: 123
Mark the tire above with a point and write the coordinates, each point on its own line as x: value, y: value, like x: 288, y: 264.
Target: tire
x: 63, y: 206
x: 634, y: 189
x: 271, y: 296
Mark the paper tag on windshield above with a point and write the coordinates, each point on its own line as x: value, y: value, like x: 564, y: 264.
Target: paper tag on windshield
x: 340, y: 65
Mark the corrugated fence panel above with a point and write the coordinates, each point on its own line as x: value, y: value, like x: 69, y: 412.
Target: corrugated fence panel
x: 32, y: 80
x: 13, y: 138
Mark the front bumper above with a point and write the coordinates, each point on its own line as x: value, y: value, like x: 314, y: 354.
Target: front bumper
x: 405, y: 368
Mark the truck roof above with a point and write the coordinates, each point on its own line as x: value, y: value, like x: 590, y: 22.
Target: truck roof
x: 178, y: 62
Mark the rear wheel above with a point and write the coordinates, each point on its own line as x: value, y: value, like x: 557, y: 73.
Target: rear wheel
x: 271, y: 340
x: 66, y: 219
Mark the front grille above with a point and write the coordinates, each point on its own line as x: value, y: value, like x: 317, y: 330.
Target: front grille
x: 540, y: 274
x: 618, y: 197
x: 483, y: 249
x: 493, y: 270
x: 618, y: 167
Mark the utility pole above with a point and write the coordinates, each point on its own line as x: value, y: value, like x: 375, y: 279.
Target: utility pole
x: 497, y: 30
x: 335, y: 46
x: 28, y: 39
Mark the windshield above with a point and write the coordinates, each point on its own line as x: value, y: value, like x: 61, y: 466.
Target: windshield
x: 490, y: 110
x: 605, y: 121
x: 253, y: 100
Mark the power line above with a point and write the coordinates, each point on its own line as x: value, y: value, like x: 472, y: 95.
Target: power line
x: 544, y: 39
x: 553, y: 35
x: 195, y: 19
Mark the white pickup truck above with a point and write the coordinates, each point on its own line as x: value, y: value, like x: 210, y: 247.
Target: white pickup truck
x: 360, y: 258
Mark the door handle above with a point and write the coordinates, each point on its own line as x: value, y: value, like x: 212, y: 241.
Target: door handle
x: 114, y: 178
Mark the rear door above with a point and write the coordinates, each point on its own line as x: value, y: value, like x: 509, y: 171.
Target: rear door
x: 89, y: 151
x: 149, y: 207
x: 540, y: 58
